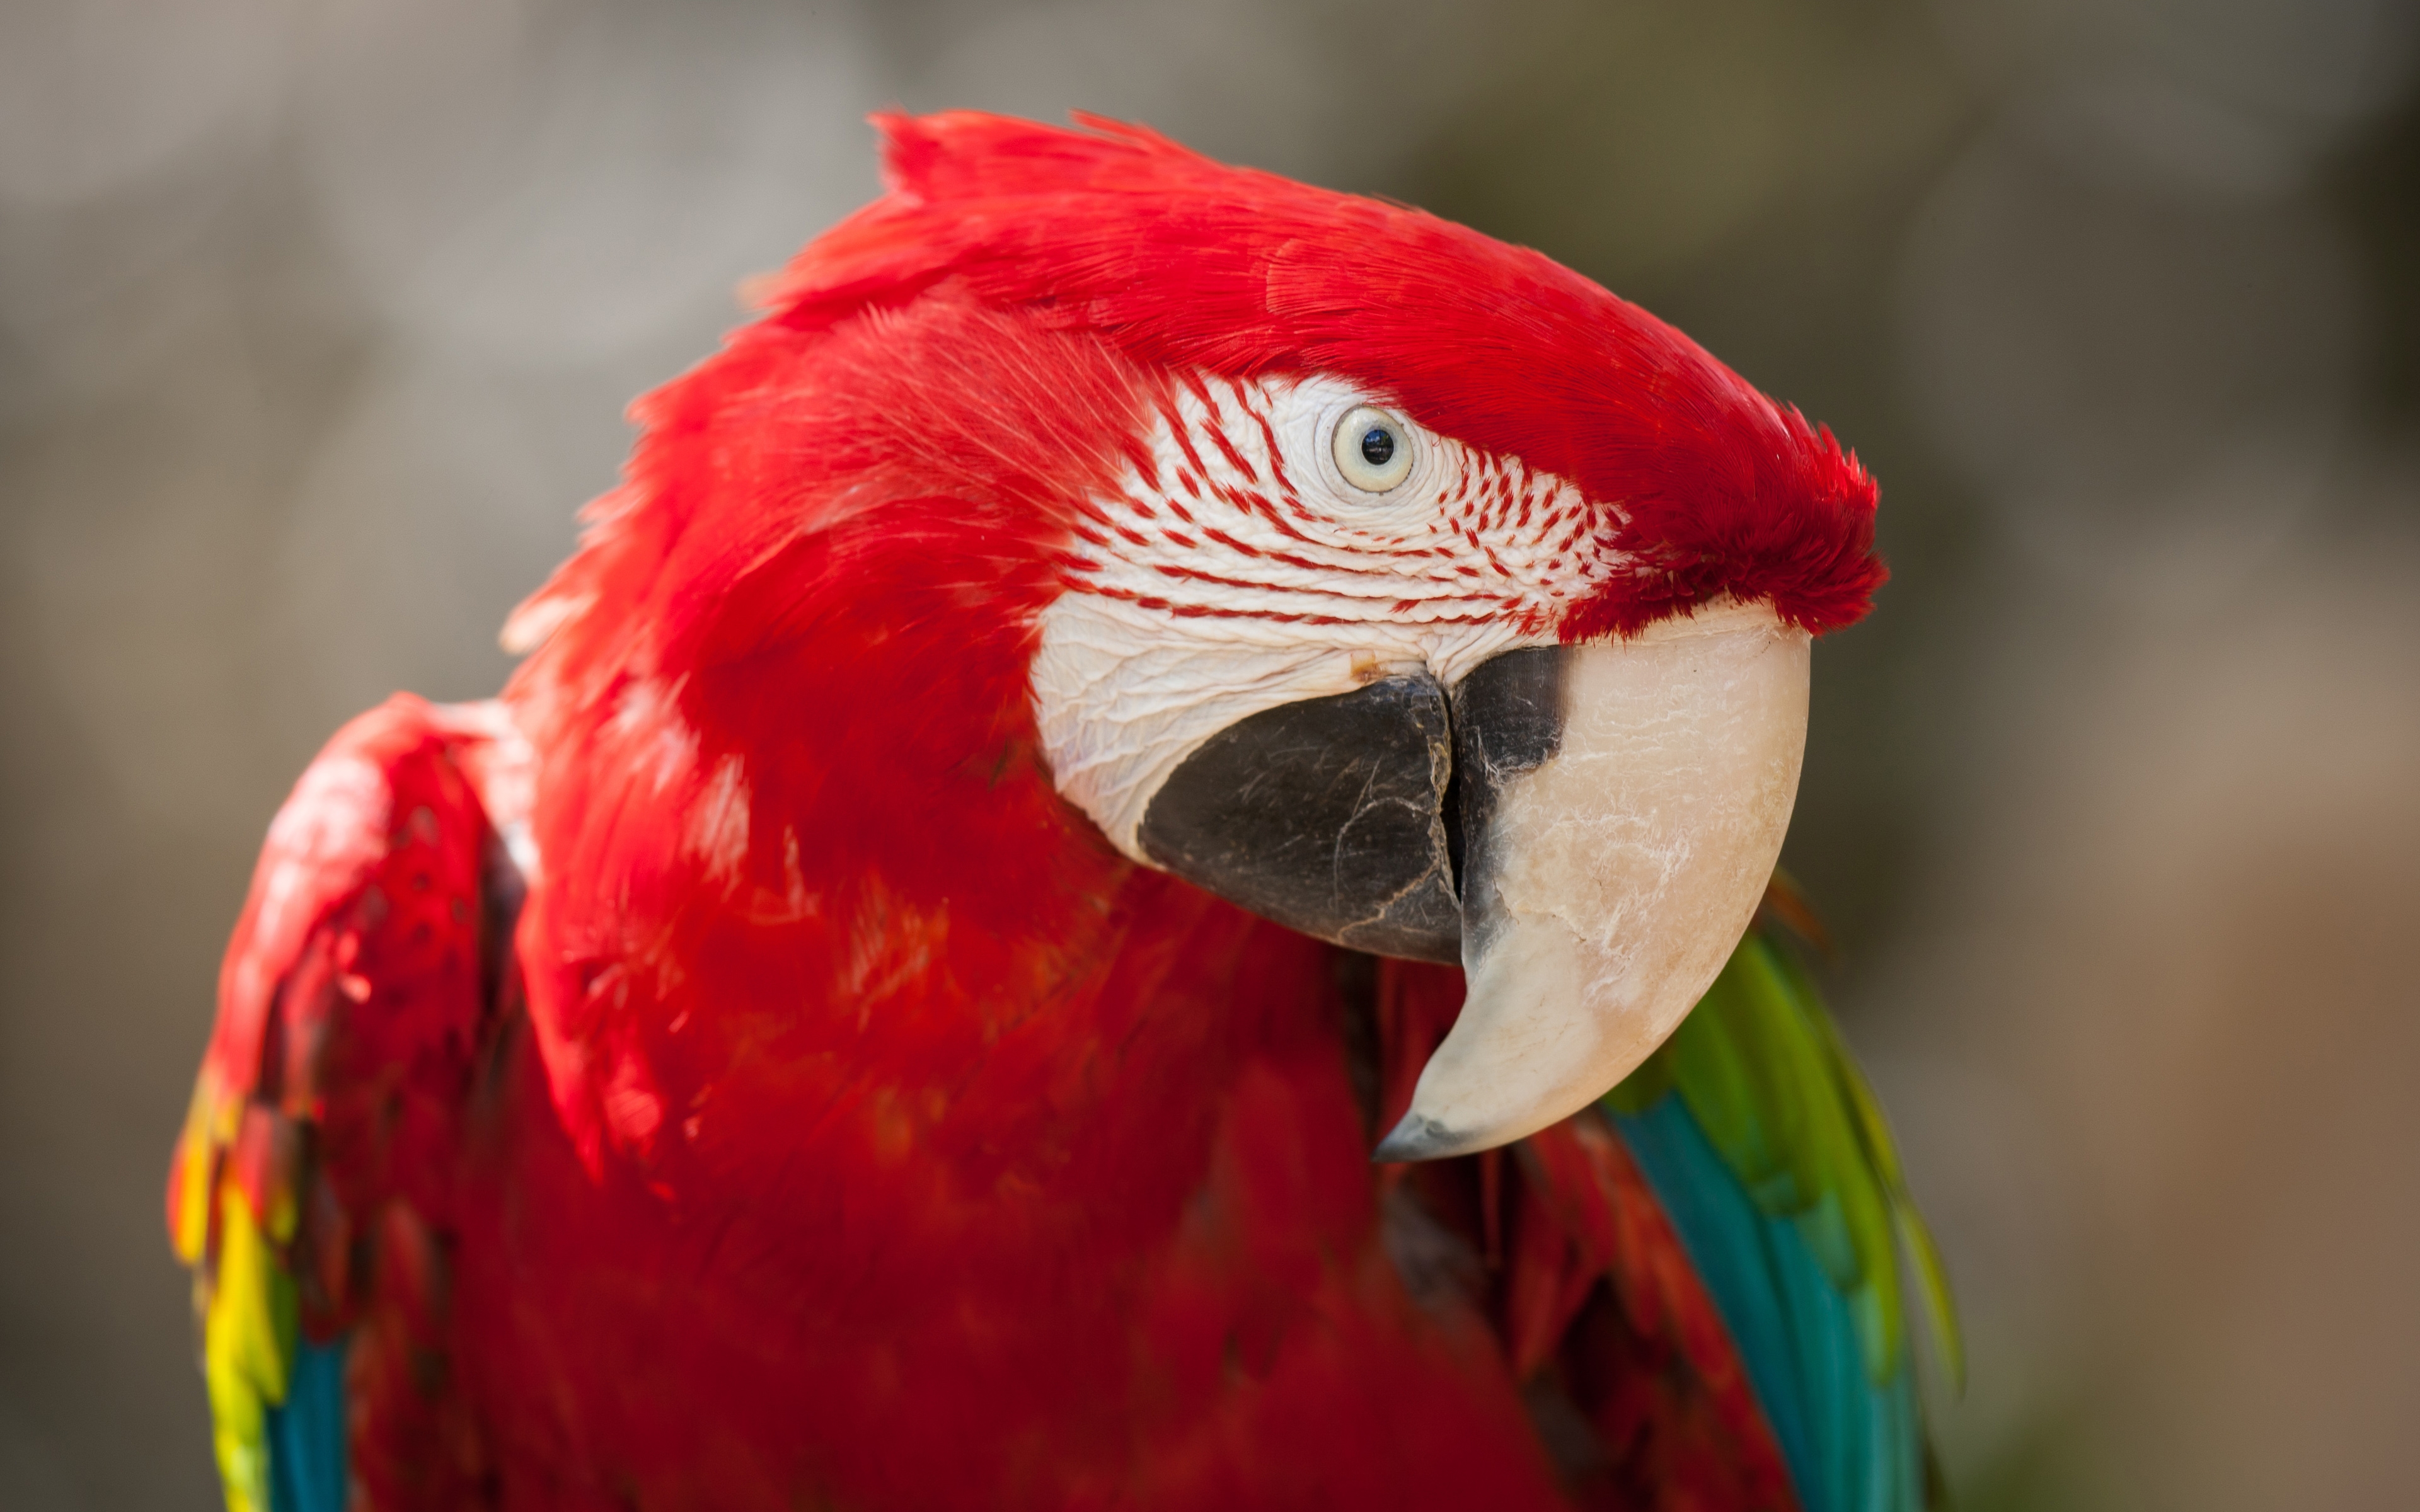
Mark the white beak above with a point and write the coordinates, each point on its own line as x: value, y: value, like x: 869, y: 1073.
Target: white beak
x: 1608, y: 881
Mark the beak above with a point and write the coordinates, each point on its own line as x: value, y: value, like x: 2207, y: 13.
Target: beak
x: 1624, y: 806
x: 1621, y: 810
x: 1329, y: 816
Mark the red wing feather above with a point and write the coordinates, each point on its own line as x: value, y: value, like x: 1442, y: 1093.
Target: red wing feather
x: 356, y: 994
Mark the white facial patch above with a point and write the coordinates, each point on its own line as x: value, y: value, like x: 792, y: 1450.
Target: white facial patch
x: 1244, y: 571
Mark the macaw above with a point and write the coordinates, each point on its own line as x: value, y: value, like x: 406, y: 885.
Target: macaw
x: 1133, y: 683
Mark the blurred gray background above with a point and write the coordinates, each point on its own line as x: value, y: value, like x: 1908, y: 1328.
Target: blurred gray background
x: 316, y: 322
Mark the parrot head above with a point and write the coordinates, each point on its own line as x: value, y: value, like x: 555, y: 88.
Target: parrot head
x: 1393, y: 583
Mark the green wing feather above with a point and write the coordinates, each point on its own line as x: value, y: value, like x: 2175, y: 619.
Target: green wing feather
x: 1772, y: 1156
x: 1762, y: 1066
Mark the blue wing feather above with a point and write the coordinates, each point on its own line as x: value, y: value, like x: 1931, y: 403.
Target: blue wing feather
x: 307, y: 1433
x: 1852, y: 1444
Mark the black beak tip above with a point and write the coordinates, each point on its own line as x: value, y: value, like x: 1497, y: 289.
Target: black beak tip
x: 1418, y: 1138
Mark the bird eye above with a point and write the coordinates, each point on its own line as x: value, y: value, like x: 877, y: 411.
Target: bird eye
x: 1373, y: 449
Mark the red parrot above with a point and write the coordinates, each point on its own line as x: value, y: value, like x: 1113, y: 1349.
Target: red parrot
x: 1134, y: 683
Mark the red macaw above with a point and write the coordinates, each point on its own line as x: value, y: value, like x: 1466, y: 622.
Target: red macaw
x: 894, y: 1004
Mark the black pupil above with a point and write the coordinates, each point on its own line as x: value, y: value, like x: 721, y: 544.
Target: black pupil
x: 1377, y: 446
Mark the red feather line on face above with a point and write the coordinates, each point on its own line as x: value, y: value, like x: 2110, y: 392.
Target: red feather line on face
x: 1248, y: 546
x: 1185, y: 264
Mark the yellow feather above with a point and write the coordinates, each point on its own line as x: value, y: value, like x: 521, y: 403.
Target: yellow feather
x: 248, y: 1340
x: 195, y: 1157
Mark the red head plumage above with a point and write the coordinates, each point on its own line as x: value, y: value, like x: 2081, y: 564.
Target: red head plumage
x: 1183, y: 263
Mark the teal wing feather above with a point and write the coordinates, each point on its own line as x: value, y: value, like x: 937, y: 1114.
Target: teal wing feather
x: 1771, y: 1155
x: 307, y: 1452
